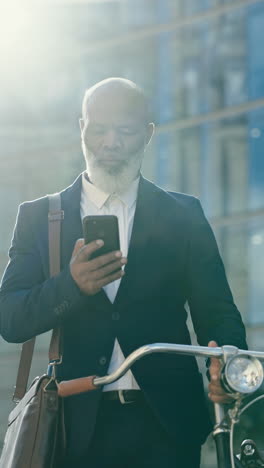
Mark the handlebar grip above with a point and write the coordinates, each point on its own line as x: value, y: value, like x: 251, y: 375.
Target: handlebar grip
x: 73, y: 387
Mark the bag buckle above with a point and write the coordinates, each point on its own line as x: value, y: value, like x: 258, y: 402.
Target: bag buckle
x: 51, y: 371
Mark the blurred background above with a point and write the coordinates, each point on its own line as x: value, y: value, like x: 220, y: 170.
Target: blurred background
x: 202, y: 65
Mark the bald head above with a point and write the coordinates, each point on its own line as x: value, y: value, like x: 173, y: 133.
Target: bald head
x: 116, y: 93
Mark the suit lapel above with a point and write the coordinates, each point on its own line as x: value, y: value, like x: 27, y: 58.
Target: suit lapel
x: 143, y: 233
x: 72, y: 225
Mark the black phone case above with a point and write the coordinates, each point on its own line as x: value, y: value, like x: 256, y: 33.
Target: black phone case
x: 103, y: 227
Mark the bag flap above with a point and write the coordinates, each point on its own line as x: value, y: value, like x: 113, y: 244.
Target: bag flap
x: 37, y: 384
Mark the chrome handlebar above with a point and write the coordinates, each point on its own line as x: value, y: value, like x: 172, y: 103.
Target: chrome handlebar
x: 226, y: 354
x: 223, y: 353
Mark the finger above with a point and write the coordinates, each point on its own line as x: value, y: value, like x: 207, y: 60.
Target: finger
x: 87, y: 250
x: 212, y: 344
x: 109, y: 279
x: 78, y: 245
x: 109, y: 269
x: 215, y: 365
x: 220, y: 399
x: 217, y: 389
x: 103, y: 260
x: 216, y: 392
x: 215, y: 370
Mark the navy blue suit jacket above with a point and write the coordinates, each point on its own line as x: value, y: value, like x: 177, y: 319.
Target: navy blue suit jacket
x: 173, y: 258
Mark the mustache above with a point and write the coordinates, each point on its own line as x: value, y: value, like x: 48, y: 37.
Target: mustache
x: 106, y: 152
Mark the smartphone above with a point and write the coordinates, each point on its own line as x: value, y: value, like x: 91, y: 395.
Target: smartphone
x: 103, y: 227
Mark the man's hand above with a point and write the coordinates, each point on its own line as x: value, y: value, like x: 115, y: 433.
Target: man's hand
x: 92, y: 275
x: 216, y: 391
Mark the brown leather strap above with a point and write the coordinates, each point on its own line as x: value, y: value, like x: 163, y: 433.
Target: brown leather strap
x: 24, y: 369
x: 55, y: 216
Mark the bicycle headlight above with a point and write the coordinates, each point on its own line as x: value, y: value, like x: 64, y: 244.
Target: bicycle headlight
x: 243, y: 374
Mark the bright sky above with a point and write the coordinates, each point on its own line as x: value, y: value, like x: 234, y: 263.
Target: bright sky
x: 33, y: 49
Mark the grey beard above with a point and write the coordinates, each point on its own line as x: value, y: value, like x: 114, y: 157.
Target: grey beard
x: 113, y: 179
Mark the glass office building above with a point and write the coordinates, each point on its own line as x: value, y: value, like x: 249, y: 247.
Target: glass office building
x: 202, y: 66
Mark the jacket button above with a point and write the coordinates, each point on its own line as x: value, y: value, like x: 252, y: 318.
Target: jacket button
x: 102, y: 360
x: 115, y: 316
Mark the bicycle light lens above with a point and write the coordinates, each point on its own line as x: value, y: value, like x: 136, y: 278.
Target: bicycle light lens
x: 243, y: 374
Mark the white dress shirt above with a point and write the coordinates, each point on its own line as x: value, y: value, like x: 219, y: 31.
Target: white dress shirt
x: 95, y: 202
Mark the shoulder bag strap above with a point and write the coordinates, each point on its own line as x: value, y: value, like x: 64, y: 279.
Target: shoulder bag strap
x: 55, y: 217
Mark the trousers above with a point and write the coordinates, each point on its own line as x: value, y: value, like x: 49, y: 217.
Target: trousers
x: 130, y: 436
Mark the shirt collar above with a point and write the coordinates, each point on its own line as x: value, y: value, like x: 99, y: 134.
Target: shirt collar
x: 99, y: 198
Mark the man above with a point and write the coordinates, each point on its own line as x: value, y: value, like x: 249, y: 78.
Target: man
x: 154, y: 416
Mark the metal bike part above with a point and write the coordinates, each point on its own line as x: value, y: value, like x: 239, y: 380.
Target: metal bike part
x: 220, y: 419
x: 199, y: 351
x: 250, y: 463
x: 242, y: 374
x: 222, y: 450
x: 202, y: 351
x: 221, y: 434
x: 250, y: 456
x: 234, y: 414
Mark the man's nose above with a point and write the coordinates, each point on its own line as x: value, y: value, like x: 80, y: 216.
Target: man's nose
x: 111, y: 139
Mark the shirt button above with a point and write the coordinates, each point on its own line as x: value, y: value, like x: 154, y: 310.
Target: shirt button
x: 115, y: 316
x: 102, y: 360
x: 58, y: 311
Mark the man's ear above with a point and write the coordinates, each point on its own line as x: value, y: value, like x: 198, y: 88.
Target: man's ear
x: 81, y: 123
x: 150, y: 132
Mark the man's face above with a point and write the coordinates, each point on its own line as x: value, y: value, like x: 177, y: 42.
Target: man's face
x: 115, y: 131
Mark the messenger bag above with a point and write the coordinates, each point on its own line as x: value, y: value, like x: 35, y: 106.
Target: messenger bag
x: 35, y: 437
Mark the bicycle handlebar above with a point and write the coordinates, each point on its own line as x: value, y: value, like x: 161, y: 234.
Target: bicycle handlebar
x: 85, y: 384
